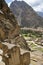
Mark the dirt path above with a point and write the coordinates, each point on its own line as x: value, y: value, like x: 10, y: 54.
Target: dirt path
x: 36, y: 58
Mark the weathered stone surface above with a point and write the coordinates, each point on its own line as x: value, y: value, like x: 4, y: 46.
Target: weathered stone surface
x: 4, y: 48
x: 9, y: 27
x: 8, y: 19
x: 19, y: 40
x: 14, y: 56
x: 25, y: 58
x: 5, y: 60
x: 2, y: 34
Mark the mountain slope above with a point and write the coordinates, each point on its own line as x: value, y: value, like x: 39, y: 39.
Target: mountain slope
x: 40, y: 13
x: 25, y: 15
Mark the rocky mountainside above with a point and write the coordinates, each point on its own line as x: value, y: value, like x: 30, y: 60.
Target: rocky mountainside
x: 40, y: 13
x: 25, y: 15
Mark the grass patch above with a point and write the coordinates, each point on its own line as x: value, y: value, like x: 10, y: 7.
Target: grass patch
x: 40, y: 49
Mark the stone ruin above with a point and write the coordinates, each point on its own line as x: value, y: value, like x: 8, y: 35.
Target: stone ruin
x: 10, y: 33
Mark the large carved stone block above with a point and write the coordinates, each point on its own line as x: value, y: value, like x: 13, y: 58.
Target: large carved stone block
x: 14, y: 56
x: 25, y: 58
x: 5, y: 60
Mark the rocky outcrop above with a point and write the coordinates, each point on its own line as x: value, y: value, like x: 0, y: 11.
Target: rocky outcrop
x: 9, y: 32
x: 9, y: 28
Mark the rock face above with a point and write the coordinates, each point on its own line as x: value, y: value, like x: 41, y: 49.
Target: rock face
x: 25, y: 15
x: 9, y: 28
x: 9, y: 32
x: 4, y: 48
x: 25, y: 58
x: 15, y: 58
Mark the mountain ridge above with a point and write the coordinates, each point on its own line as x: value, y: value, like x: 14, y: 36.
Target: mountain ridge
x: 25, y: 15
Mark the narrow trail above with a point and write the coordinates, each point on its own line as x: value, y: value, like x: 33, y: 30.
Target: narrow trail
x: 36, y: 58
